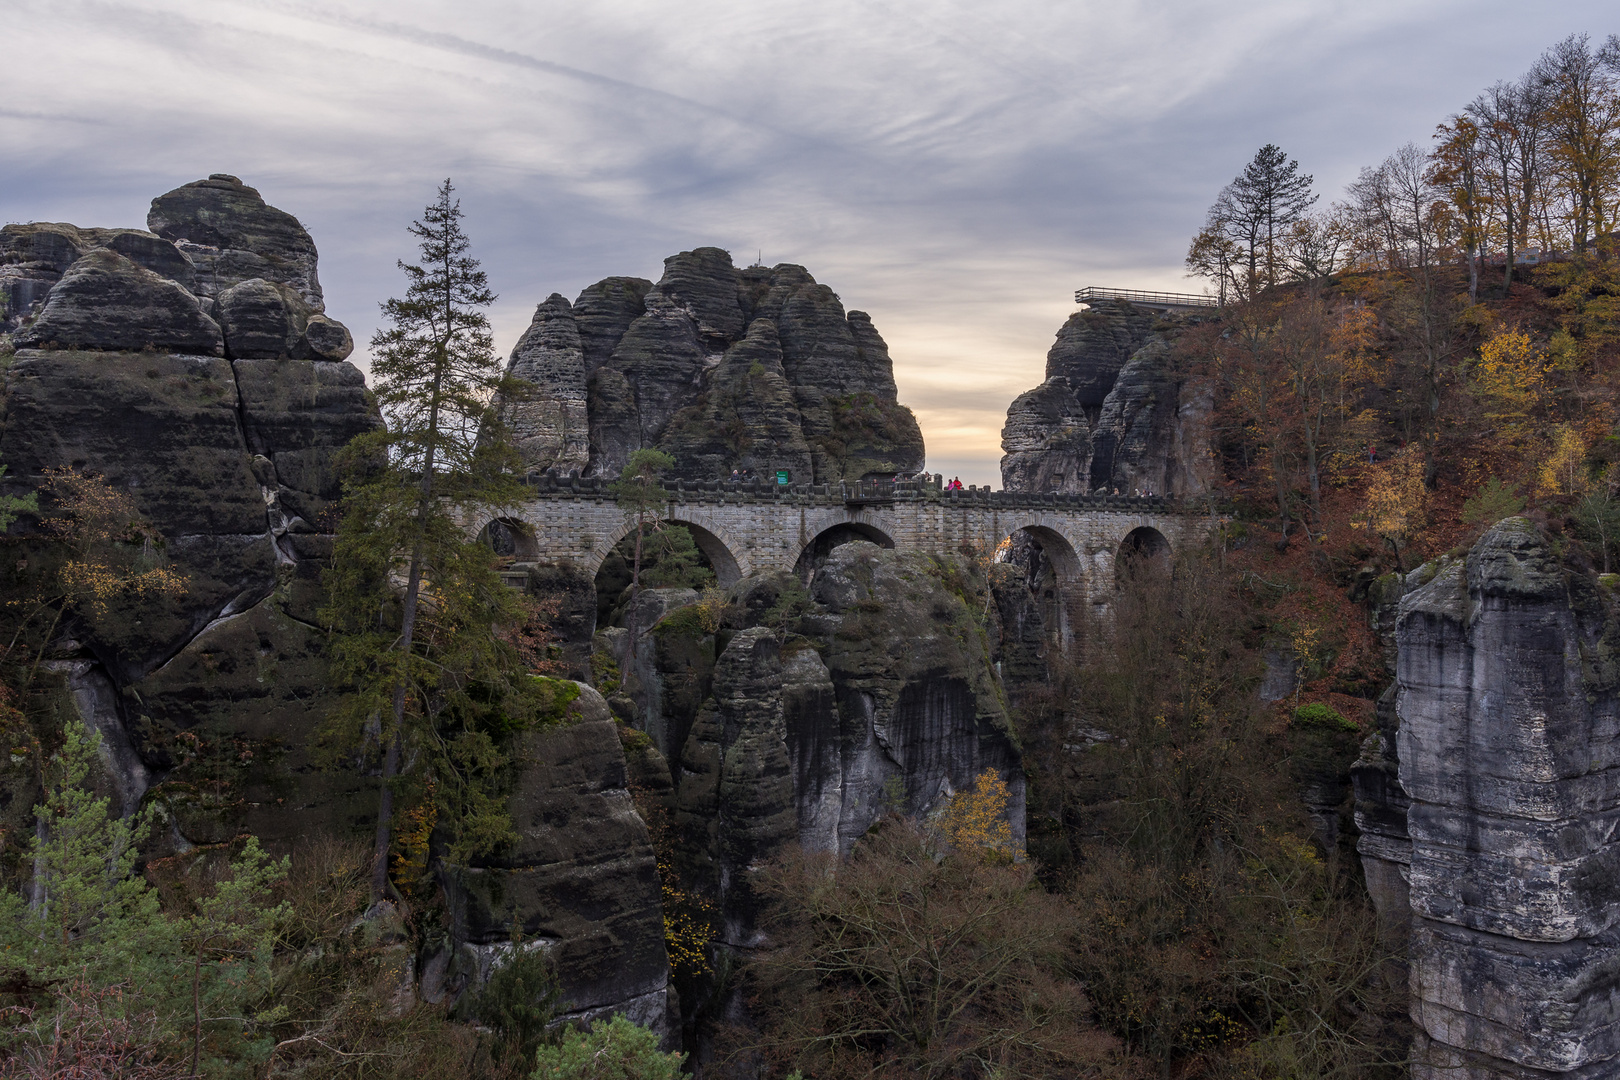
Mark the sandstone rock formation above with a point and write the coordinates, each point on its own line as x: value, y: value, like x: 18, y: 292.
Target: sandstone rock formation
x: 808, y: 713
x: 1112, y: 413
x: 581, y: 881
x: 759, y: 368
x: 179, y: 364
x: 1509, y: 730
x: 230, y: 235
x: 551, y: 427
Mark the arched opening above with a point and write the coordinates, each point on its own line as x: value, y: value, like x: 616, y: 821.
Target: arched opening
x: 1035, y: 582
x: 512, y: 541
x: 814, y: 555
x: 1143, y: 551
x: 674, y: 554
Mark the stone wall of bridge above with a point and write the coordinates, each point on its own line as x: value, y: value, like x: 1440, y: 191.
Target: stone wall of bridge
x: 746, y: 529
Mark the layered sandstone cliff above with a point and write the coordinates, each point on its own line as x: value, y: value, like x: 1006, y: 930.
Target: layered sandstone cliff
x: 192, y: 366
x: 1114, y: 412
x: 807, y: 713
x: 757, y: 368
x: 1509, y: 752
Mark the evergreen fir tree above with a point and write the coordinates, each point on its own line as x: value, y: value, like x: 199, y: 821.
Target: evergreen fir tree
x: 414, y: 598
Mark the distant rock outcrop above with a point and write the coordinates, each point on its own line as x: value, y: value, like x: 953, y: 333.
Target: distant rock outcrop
x: 724, y: 368
x: 1113, y: 412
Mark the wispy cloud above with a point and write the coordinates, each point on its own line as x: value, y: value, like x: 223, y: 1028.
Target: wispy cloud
x: 954, y: 168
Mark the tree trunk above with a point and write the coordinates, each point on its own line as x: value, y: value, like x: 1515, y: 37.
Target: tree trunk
x: 407, y: 633
x: 635, y: 587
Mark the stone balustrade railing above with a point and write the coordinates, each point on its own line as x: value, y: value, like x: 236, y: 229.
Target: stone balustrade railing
x: 545, y: 485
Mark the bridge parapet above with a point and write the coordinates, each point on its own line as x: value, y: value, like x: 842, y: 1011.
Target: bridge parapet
x: 865, y: 493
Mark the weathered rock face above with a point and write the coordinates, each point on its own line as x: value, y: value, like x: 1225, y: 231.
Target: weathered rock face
x: 33, y: 258
x: 748, y: 418
x: 1047, y: 440
x: 917, y: 699
x: 105, y: 301
x: 220, y: 274
x: 1509, y: 748
x: 809, y: 713
x: 1092, y: 347
x: 230, y: 457
x: 581, y: 882
x: 736, y: 794
x: 759, y: 369
x: 230, y: 235
x: 1112, y: 414
x: 551, y: 428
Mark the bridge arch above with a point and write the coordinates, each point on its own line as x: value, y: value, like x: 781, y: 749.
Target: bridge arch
x: 1143, y: 546
x: 717, y: 548
x: 1060, y: 586
x: 814, y: 553
x: 510, y: 538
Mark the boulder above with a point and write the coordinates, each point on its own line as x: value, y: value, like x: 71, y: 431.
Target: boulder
x: 261, y: 319
x: 105, y: 301
x: 231, y: 235
x: 324, y: 339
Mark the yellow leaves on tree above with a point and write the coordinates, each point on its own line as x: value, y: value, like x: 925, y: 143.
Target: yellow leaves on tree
x: 1511, y: 377
x: 976, y: 820
x: 409, y: 863
x: 711, y: 609
x: 113, y: 551
x: 1563, y: 470
x: 1397, y: 501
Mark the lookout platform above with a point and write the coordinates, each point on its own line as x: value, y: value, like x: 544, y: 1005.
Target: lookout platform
x: 1158, y: 301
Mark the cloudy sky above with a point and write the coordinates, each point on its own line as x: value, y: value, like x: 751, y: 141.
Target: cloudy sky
x: 956, y: 169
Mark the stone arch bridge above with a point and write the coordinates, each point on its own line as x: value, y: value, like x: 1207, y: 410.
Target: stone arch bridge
x: 751, y: 527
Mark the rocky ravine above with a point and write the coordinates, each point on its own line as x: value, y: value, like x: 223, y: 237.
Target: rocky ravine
x: 192, y: 365
x: 756, y: 368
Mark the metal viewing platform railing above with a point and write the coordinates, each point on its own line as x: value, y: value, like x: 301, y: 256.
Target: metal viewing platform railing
x: 1091, y: 294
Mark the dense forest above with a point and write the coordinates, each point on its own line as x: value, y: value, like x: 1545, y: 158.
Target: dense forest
x: 1391, y: 375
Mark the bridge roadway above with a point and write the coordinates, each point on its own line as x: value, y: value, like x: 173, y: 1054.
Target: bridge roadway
x: 751, y: 527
